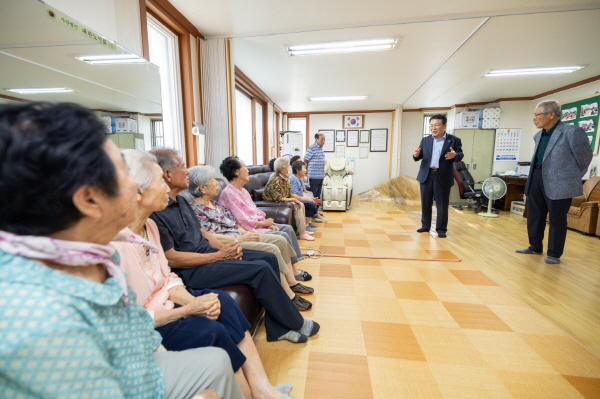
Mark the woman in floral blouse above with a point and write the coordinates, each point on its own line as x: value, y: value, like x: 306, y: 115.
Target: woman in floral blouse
x: 278, y: 190
x: 219, y: 221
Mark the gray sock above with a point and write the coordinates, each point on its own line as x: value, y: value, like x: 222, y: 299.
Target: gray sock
x: 284, y: 388
x: 293, y: 336
x: 309, y: 328
x: 552, y: 260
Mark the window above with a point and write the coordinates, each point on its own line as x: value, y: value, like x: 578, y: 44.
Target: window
x: 243, y: 122
x: 426, y: 120
x: 156, y: 133
x: 250, y: 132
x: 164, y: 52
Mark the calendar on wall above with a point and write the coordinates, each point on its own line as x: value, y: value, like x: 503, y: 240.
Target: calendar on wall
x: 507, y: 144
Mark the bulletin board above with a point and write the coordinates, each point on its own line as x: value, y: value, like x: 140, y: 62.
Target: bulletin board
x: 584, y: 113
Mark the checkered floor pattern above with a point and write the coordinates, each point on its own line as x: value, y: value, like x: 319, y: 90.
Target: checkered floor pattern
x: 424, y: 326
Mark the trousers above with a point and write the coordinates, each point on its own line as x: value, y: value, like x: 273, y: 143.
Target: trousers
x: 259, y: 271
x: 538, y: 208
x: 194, y: 370
x: 430, y: 188
x: 199, y: 332
x: 287, y: 232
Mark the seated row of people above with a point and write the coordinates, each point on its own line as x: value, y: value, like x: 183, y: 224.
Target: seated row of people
x: 71, y: 325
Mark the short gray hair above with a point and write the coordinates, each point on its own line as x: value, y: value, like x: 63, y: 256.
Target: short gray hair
x: 140, y: 166
x: 280, y: 163
x: 199, y: 175
x: 166, y: 158
x: 550, y: 106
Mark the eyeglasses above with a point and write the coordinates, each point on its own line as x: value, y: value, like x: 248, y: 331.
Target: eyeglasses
x: 541, y: 113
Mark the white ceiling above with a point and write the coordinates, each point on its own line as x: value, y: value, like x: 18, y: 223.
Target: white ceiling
x: 445, y: 48
x: 36, y: 51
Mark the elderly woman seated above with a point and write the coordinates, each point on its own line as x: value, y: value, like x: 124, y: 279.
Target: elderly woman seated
x: 237, y: 199
x: 184, y: 318
x: 300, y: 193
x: 70, y: 326
x: 219, y: 221
x: 278, y: 190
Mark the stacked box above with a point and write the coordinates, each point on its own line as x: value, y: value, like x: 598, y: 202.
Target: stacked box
x: 125, y: 125
x: 109, y: 123
x: 489, y: 118
x: 467, y: 120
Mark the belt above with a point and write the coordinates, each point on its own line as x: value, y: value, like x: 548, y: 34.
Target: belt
x: 538, y: 166
x: 433, y: 169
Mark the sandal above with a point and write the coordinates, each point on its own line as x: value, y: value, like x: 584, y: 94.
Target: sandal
x: 303, y: 276
x: 302, y: 289
x: 301, y: 304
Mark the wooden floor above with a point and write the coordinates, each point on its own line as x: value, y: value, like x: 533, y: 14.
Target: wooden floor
x: 465, y: 317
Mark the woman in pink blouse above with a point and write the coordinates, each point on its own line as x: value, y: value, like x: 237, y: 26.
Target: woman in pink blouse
x: 185, y: 318
x: 235, y: 198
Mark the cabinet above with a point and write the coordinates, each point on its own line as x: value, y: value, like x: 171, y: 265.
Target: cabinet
x: 478, y: 147
x: 128, y: 140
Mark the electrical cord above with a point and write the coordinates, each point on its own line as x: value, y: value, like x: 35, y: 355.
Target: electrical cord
x: 318, y: 254
x: 312, y: 253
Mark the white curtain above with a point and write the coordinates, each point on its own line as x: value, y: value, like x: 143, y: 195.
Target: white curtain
x: 215, y: 101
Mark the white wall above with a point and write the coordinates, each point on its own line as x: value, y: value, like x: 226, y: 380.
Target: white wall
x: 369, y: 171
x: 412, y: 133
x: 517, y: 114
x: 118, y: 20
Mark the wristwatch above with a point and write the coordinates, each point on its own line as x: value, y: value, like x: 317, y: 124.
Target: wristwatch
x: 236, y: 239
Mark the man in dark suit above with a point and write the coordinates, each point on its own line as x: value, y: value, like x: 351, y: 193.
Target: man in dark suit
x: 561, y: 157
x: 436, y: 175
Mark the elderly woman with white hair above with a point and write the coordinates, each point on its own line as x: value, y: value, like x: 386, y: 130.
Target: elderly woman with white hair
x: 278, y: 189
x: 219, y: 221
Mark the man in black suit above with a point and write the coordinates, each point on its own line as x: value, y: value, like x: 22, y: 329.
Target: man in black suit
x: 436, y: 175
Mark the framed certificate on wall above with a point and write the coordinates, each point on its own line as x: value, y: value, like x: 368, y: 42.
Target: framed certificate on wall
x: 352, y: 138
x: 329, y: 145
x: 379, y: 140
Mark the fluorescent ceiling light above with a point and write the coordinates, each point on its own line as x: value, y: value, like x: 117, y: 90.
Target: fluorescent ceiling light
x: 351, y: 46
x: 42, y: 90
x: 112, y: 59
x: 533, y: 71
x: 338, y: 98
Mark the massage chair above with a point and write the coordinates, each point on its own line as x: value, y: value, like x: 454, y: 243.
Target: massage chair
x: 336, y: 192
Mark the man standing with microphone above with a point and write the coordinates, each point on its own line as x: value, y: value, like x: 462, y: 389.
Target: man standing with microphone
x: 438, y: 153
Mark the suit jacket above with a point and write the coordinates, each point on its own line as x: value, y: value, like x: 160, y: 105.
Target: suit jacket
x: 446, y: 169
x: 566, y: 160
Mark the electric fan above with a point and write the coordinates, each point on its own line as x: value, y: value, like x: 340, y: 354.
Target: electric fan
x: 494, y: 188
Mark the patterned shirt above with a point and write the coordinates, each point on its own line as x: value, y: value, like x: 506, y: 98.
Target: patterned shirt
x: 297, y: 186
x: 316, y: 161
x: 277, y: 190
x: 218, y: 221
x: 62, y: 336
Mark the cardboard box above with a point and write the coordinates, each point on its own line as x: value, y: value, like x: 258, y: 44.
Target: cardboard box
x: 517, y: 207
x: 126, y: 125
x: 467, y: 120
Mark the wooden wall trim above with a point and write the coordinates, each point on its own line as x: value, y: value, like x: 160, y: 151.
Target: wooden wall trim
x: 176, y: 20
x: 249, y: 86
x: 144, y: 30
x: 14, y: 98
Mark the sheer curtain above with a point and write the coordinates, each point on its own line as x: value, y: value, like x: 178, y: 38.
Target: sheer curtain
x: 215, y: 100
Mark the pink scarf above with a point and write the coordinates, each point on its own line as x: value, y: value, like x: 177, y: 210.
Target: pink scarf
x: 72, y: 253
